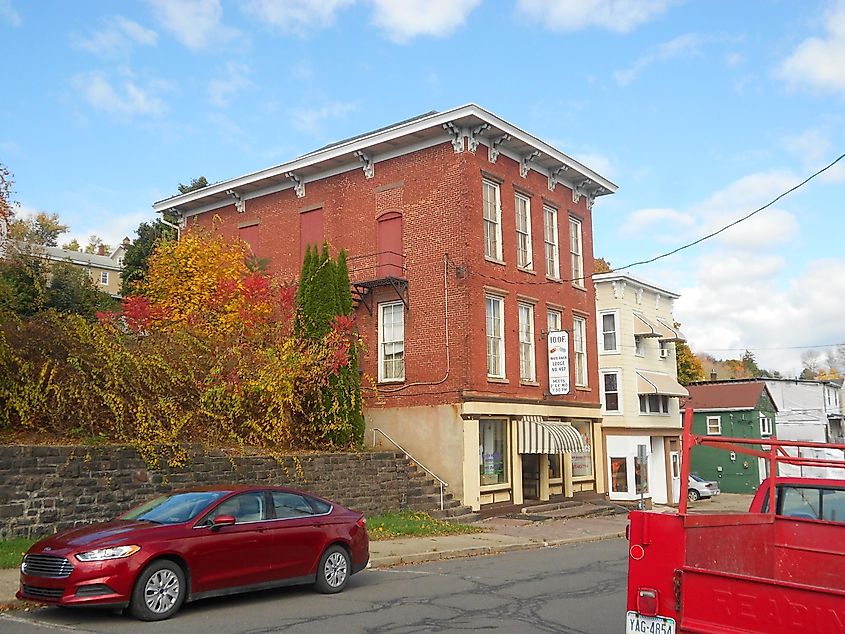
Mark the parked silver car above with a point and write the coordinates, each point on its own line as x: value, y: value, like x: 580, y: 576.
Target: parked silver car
x: 699, y: 488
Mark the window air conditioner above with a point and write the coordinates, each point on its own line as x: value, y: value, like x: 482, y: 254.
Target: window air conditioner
x: 664, y: 353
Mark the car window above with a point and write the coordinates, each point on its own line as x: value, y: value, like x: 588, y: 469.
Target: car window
x: 800, y: 502
x: 294, y: 505
x: 244, y: 507
x: 833, y: 505
x: 175, y: 508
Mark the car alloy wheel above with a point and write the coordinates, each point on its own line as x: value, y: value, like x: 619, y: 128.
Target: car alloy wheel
x: 334, y: 570
x: 159, y: 591
x: 693, y: 495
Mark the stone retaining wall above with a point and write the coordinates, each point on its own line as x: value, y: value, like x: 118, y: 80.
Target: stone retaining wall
x: 48, y: 488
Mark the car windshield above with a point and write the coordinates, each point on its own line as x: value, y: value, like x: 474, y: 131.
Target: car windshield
x: 175, y: 508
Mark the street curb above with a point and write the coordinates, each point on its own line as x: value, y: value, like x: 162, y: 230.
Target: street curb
x: 388, y: 561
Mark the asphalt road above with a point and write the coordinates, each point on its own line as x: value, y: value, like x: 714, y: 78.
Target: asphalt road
x: 575, y: 589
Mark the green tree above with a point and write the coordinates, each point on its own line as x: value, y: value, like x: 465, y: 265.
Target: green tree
x: 750, y: 363
x: 196, y: 183
x: 72, y: 290
x: 73, y: 245
x: 689, y: 367
x: 94, y: 244
x: 23, y: 284
x: 44, y: 229
x: 135, y: 260
x: 7, y: 203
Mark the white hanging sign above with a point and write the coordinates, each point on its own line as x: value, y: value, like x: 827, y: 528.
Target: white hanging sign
x: 558, y: 344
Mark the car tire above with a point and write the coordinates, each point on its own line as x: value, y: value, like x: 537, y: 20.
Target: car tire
x: 693, y: 495
x: 333, y: 571
x: 159, y: 592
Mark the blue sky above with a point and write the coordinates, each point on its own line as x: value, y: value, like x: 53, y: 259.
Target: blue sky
x: 699, y: 111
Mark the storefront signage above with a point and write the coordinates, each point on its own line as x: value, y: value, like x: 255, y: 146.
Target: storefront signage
x: 558, y: 343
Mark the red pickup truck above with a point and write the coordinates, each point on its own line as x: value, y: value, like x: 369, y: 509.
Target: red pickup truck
x: 776, y: 569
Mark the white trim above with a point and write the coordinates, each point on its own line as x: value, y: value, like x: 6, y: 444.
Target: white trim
x: 718, y: 420
x: 531, y: 361
x: 408, y: 129
x: 555, y: 272
x: 499, y: 302
x: 621, y: 409
x: 578, y: 279
x: 496, y: 222
x: 529, y: 249
x: 616, y: 332
x: 583, y: 320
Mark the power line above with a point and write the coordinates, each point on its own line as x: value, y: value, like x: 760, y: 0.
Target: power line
x: 735, y: 222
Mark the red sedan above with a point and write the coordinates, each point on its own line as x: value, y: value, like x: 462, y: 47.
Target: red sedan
x: 196, y: 544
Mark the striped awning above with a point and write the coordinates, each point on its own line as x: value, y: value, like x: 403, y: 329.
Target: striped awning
x: 658, y: 383
x: 537, y: 435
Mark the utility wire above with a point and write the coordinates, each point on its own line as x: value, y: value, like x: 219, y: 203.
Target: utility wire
x: 735, y: 222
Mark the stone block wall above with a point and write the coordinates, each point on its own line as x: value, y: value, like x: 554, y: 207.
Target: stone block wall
x: 44, y: 489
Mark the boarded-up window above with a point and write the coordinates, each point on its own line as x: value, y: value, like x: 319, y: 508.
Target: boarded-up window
x: 390, y: 252
x: 250, y: 236
x: 310, y: 230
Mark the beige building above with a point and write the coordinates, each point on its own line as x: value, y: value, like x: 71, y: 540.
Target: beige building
x: 639, y: 388
x: 104, y: 270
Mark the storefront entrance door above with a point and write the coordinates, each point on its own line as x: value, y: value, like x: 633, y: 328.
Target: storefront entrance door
x: 531, y: 476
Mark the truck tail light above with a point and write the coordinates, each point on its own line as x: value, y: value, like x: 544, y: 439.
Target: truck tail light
x: 647, y: 601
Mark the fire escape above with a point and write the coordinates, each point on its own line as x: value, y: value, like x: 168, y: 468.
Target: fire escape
x: 375, y: 270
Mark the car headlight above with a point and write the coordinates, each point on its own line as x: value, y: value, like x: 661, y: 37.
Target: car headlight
x: 101, y: 554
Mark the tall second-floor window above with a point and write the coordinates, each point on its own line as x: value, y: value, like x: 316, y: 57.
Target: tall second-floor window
x: 609, y: 332
x: 610, y: 391
x: 579, y: 345
x: 550, y: 239
x: 527, y: 368
x: 554, y: 319
x: 524, y: 259
x: 492, y: 220
x: 495, y: 337
x: 104, y: 277
x: 575, y: 251
x: 391, y: 342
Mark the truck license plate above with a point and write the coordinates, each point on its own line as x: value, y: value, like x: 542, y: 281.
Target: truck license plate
x: 636, y: 623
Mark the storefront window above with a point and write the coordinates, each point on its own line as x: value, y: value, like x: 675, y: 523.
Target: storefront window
x: 493, y: 451
x: 582, y: 462
x: 619, y: 475
x: 555, y: 470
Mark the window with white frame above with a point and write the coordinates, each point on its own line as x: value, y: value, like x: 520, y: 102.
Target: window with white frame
x: 611, y: 396
x: 554, y: 319
x: 639, y: 346
x: 527, y: 365
x: 714, y: 425
x: 495, y: 337
x: 524, y: 258
x: 492, y: 220
x: 579, y: 345
x: 609, y: 331
x: 765, y: 425
x: 550, y: 239
x: 654, y: 404
x: 575, y: 251
x: 391, y: 342
x: 104, y: 277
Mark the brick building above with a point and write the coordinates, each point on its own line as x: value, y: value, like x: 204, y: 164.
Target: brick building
x: 469, y: 240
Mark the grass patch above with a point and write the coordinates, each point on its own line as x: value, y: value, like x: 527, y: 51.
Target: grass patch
x: 12, y: 550
x: 413, y: 524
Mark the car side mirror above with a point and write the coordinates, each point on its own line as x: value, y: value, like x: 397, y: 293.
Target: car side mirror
x: 222, y: 520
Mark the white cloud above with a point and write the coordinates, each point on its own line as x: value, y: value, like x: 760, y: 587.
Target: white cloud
x: 116, y: 37
x: 9, y: 14
x: 126, y: 100
x: 817, y: 61
x: 620, y: 16
x: 734, y: 59
x: 405, y: 20
x: 310, y: 120
x: 748, y: 306
x: 195, y: 23
x: 234, y: 79
x: 682, y: 46
x: 646, y: 219
x: 296, y: 16
x: 599, y: 163
x: 815, y: 149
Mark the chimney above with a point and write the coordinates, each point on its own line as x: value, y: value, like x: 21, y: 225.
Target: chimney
x: 101, y: 250
x: 713, y: 376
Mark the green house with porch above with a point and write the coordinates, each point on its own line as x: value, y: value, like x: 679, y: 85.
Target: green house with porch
x: 736, y: 409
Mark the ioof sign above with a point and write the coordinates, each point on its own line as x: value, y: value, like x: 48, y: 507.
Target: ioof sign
x: 558, y: 343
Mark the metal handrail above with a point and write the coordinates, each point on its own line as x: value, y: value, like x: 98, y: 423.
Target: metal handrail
x: 409, y: 456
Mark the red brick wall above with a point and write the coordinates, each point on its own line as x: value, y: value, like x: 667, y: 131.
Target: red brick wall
x: 439, y: 195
